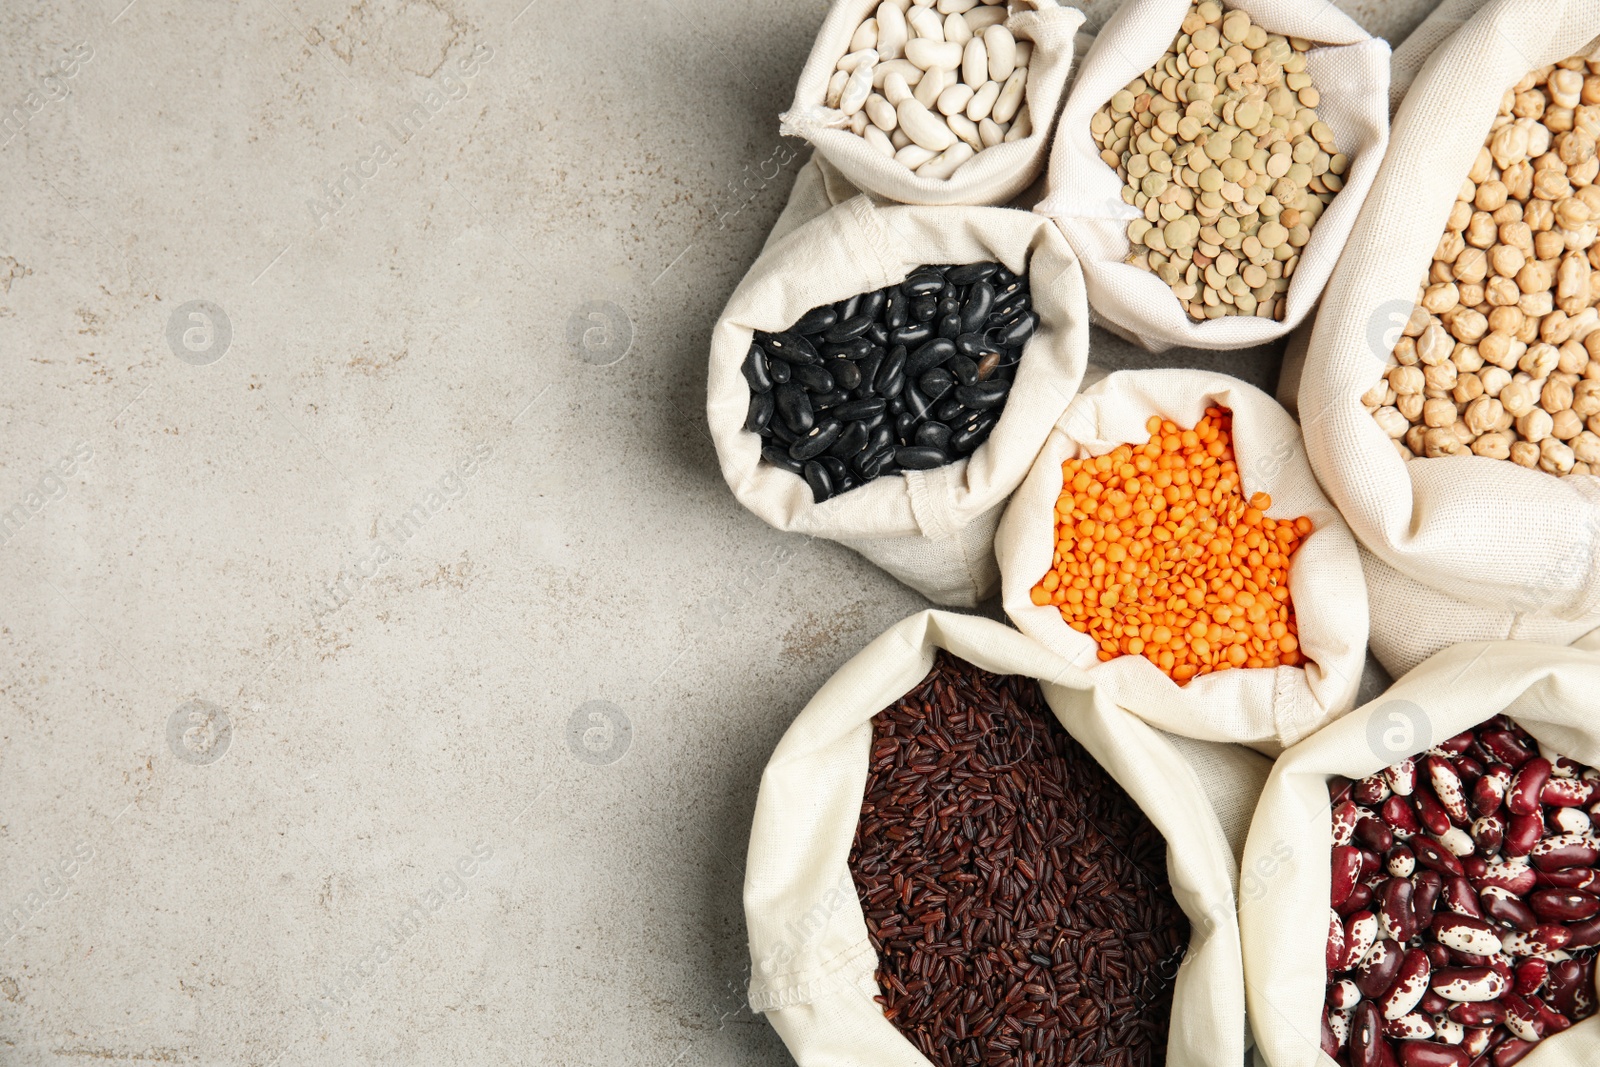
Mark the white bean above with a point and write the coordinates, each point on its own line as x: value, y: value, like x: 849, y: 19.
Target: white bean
x: 1020, y: 128
x: 947, y: 7
x: 1024, y: 52
x: 982, y: 101
x: 925, y: 24
x: 956, y: 30
x: 880, y: 140
x: 1002, y: 49
x: 859, y: 124
x: 928, y: 89
x: 965, y: 129
x: 1010, y: 98
x: 913, y: 156
x: 923, y: 127
x: 921, y: 3
x: 835, y: 88
x: 899, y: 139
x: 990, y: 133
x: 984, y: 17
x: 856, y: 90
x: 881, y: 112
x: 954, y: 98
x: 903, y: 67
x: 945, y: 163
x: 975, y: 63
x: 866, y: 35
x: 892, y: 31
x: 895, y: 88
x: 851, y: 60
x: 943, y: 55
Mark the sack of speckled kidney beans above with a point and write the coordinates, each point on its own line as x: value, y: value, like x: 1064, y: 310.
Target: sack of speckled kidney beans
x: 884, y: 375
x: 1421, y: 885
x: 962, y: 854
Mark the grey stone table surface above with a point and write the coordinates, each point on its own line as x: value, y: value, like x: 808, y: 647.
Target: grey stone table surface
x: 385, y: 672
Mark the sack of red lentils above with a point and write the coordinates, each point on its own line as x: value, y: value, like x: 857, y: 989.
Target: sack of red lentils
x: 1450, y: 824
x: 1172, y: 542
x: 1449, y: 395
x: 946, y: 105
x: 961, y: 851
x: 894, y: 441
x: 1200, y: 188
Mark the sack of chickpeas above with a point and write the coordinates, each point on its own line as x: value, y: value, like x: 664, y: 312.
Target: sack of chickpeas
x: 1172, y: 542
x: 947, y: 103
x: 962, y: 853
x: 1423, y: 876
x: 1450, y: 394
x: 884, y: 376
x: 1210, y: 161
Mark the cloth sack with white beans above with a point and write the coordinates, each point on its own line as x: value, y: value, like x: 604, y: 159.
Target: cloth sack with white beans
x: 1283, y: 910
x: 1501, y: 550
x: 813, y: 966
x: 1085, y: 194
x: 932, y: 529
x: 991, y: 176
x: 1265, y: 708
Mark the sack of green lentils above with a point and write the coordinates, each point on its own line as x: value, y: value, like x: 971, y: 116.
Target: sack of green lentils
x: 1231, y: 618
x: 919, y: 105
x: 948, y: 866
x: 1237, y: 228
x: 1448, y: 393
x: 920, y: 501
x: 1412, y: 752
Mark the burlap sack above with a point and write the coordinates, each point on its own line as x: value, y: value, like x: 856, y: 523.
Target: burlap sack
x: 1266, y: 709
x: 1085, y: 195
x: 994, y: 175
x: 1487, y: 535
x: 1440, y: 25
x: 1284, y: 912
x: 812, y: 966
x: 933, y: 530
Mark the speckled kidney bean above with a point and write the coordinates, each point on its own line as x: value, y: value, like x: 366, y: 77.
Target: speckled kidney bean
x: 1502, y: 835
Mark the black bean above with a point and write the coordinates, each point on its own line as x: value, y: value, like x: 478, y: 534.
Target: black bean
x: 1002, y: 277
x: 1020, y: 330
x: 881, y: 438
x: 1012, y: 306
x: 816, y: 320
x: 916, y: 404
x: 781, y: 372
x: 964, y: 369
x: 920, y: 457
x: 822, y: 401
x: 980, y: 301
x: 904, y: 423
x: 815, y: 379
x: 760, y: 413
x: 836, y: 470
x: 869, y: 373
x: 924, y: 308
x: 968, y: 273
x: 934, y: 435
x: 795, y: 407
x: 817, y: 441
x: 817, y: 477
x: 914, y: 334
x: 877, y: 333
x: 846, y: 373
x: 975, y: 345
x: 872, y: 303
x: 897, y: 404
x: 848, y: 329
x: 851, y: 441
x: 897, y: 310
x: 870, y: 464
x: 780, y: 432
x: 936, y: 383
x: 929, y: 356
x: 969, y: 437
x: 860, y: 409
x: 948, y: 410
x: 778, y: 456
x: 755, y: 371
x: 949, y: 301
x: 950, y: 326
x: 921, y: 283
x: 988, y: 365
x: 791, y: 347
x: 847, y: 308
x: 892, y: 376
x: 984, y: 395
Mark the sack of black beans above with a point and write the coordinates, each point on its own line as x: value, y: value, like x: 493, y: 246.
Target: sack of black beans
x: 1448, y: 393
x: 936, y: 106
x: 1449, y: 824
x: 876, y: 428
x: 1197, y: 158
x: 1172, y: 542
x: 962, y: 854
